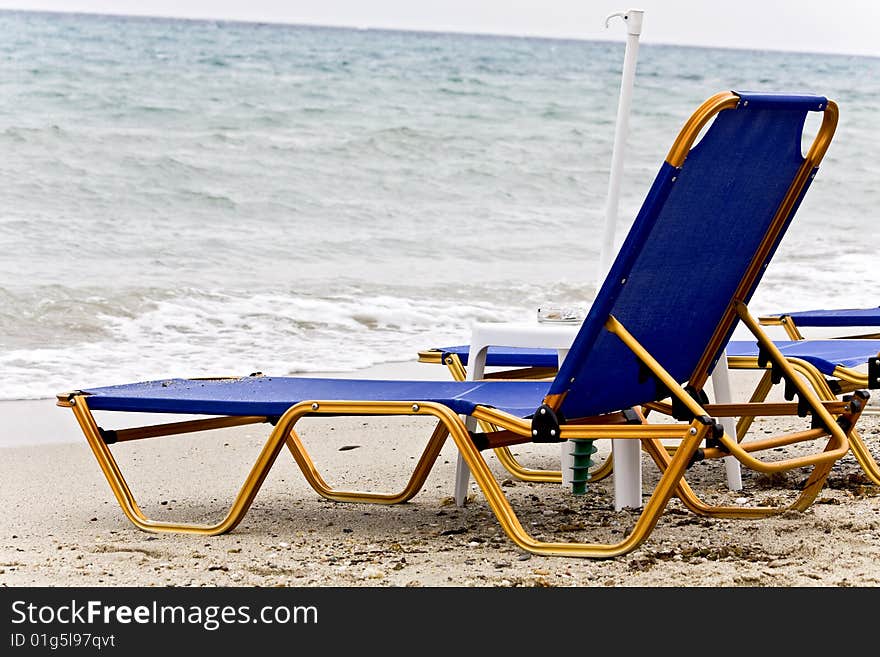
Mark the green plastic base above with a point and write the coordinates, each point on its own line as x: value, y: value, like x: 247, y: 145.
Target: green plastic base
x: 582, y: 450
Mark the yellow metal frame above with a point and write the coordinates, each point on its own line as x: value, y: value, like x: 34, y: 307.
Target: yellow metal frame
x: 832, y: 440
x: 673, y: 466
x: 850, y: 380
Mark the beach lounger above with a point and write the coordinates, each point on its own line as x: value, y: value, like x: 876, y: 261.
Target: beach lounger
x: 835, y: 318
x: 706, y: 231
x: 833, y: 367
x: 832, y: 357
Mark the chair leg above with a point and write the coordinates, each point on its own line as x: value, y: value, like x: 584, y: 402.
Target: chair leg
x: 820, y: 386
x: 646, y: 522
x: 451, y: 424
x: 689, y: 498
x: 514, y: 467
x: 282, y: 434
x: 820, y: 463
x: 417, y: 479
x: 129, y: 505
x: 505, y: 457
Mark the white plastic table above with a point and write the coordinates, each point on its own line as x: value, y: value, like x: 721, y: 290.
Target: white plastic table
x: 627, y: 453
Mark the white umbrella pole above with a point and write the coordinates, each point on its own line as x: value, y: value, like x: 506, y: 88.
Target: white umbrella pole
x: 633, y: 19
x: 627, y: 453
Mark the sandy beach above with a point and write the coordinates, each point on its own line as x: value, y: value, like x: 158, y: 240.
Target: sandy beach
x: 61, y: 525
x: 197, y: 198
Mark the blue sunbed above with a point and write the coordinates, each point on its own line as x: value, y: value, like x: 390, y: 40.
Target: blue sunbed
x: 842, y: 318
x: 828, y: 356
x: 708, y: 227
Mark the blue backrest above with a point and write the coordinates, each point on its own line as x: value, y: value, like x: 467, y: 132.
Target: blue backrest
x: 689, y: 250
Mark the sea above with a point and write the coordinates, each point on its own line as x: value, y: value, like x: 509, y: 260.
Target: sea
x: 204, y: 198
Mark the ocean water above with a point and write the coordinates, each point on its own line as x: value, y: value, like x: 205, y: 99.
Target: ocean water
x: 197, y: 198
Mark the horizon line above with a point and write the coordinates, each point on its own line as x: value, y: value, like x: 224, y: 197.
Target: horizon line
x: 414, y: 30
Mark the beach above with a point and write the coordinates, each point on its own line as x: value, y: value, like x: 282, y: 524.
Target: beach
x: 188, y: 199
x: 62, y: 527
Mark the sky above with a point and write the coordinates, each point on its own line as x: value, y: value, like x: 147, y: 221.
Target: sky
x: 844, y: 26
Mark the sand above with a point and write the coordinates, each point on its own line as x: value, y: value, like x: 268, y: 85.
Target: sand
x: 61, y: 525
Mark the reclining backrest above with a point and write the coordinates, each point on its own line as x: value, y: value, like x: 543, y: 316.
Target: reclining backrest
x: 705, y: 233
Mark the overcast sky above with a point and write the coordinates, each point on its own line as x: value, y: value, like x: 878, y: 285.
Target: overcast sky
x: 844, y: 26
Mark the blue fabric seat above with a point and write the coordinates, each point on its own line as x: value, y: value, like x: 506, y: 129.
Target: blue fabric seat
x: 825, y: 355
x: 272, y: 396
x: 840, y: 318
x: 506, y: 356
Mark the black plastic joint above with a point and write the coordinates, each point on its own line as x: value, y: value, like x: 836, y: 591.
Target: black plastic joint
x: 631, y: 416
x: 790, y: 390
x: 816, y: 422
x: 857, y: 400
x: 834, y: 386
x: 714, y: 440
x: 480, y: 440
x: 874, y: 372
x: 546, y: 425
x: 763, y: 359
x: 763, y: 356
x: 107, y: 435
x: 699, y: 455
x: 775, y: 373
x: 680, y: 411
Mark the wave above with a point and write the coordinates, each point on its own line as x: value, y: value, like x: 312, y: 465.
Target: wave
x: 332, y: 199
x: 150, y: 334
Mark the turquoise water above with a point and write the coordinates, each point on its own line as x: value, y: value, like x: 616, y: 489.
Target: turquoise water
x: 199, y: 198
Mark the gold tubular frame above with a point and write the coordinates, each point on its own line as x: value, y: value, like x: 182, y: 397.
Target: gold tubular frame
x: 673, y: 466
x: 848, y: 380
x: 851, y: 380
x: 689, y: 435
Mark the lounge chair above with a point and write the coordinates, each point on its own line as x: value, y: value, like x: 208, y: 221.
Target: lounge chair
x: 709, y: 226
x: 834, y: 318
x: 833, y: 368
x: 832, y: 357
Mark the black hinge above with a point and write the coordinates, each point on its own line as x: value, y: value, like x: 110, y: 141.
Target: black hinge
x: 480, y: 440
x: 107, y: 435
x: 763, y: 359
x: 545, y: 425
x: 680, y: 411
